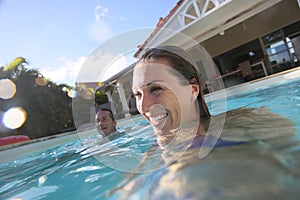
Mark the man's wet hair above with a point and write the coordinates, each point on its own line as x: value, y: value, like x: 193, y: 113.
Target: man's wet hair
x: 110, y: 112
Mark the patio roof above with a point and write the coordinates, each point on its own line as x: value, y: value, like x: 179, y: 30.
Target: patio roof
x: 203, y: 19
x: 213, y: 16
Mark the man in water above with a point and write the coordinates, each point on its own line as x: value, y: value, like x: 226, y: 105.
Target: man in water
x: 106, y: 124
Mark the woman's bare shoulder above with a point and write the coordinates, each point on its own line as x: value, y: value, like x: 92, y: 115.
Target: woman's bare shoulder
x: 256, y: 123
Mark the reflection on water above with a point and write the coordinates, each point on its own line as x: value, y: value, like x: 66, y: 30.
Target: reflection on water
x: 266, y: 167
x: 241, y: 172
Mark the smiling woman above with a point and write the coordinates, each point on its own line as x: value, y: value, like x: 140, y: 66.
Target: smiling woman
x: 163, y: 72
x: 169, y: 95
x: 169, y: 91
x: 155, y: 86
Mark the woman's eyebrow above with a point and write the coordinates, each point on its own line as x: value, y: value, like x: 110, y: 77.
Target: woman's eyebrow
x: 154, y: 81
x: 148, y: 84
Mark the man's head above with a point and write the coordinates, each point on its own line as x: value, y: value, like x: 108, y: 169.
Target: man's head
x: 105, y: 122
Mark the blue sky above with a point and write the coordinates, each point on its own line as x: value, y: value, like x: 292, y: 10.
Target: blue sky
x: 56, y: 36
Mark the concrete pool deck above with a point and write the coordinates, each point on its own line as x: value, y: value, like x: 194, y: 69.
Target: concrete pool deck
x: 19, y: 150
x: 258, y: 83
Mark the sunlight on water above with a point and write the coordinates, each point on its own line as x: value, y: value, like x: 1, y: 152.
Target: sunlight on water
x: 42, y: 180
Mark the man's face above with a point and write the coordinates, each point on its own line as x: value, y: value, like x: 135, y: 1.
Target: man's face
x: 160, y: 96
x: 104, y: 123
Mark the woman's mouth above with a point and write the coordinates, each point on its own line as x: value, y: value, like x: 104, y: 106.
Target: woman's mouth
x: 157, y: 116
x: 159, y: 120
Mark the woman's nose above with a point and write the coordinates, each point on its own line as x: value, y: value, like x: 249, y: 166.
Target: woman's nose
x: 145, y: 103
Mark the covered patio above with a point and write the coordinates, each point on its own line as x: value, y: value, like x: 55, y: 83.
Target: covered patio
x: 247, y: 40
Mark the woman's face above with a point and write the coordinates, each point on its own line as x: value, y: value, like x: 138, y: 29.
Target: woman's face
x: 161, y: 97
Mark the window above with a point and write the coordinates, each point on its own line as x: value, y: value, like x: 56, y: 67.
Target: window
x: 279, y: 58
x: 272, y: 37
x: 276, y: 48
x: 292, y: 29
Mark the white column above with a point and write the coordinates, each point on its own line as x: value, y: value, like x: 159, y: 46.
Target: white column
x: 109, y: 96
x: 123, y: 98
x: 111, y: 102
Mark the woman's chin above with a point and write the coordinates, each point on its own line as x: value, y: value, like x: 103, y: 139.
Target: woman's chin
x: 166, y: 131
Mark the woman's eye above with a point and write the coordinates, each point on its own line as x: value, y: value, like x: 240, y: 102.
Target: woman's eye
x: 155, y: 89
x: 136, y: 94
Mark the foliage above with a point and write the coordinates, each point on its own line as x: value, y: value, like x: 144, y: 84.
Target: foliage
x: 100, y: 98
x: 48, y: 107
x: 86, y: 100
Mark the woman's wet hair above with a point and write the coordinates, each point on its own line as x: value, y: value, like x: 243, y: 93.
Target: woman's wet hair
x: 180, y: 61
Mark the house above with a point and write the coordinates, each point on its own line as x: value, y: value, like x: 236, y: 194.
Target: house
x: 245, y: 40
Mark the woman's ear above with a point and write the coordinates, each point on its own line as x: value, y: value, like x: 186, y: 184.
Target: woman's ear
x: 195, y: 88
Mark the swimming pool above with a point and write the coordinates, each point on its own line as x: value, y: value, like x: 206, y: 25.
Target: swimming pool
x: 255, y: 170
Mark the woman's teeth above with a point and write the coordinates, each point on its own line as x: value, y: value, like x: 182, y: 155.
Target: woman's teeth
x: 158, y: 117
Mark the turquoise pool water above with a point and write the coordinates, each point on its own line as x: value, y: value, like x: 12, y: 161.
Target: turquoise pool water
x: 254, y: 170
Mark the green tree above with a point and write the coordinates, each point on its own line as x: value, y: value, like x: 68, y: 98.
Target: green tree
x: 86, y: 100
x: 48, y: 107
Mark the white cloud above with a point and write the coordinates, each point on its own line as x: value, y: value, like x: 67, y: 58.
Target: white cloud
x: 100, y: 30
x: 100, y: 66
x: 66, y: 72
x: 100, y: 12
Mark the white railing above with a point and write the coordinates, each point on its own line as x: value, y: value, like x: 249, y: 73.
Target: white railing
x: 197, y: 9
x: 189, y: 12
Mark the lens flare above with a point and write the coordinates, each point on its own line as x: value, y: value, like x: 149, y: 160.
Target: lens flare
x: 87, y: 93
x: 7, y: 89
x: 41, y: 81
x: 14, y: 118
x: 72, y: 93
x: 3, y: 128
x: 65, y: 89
